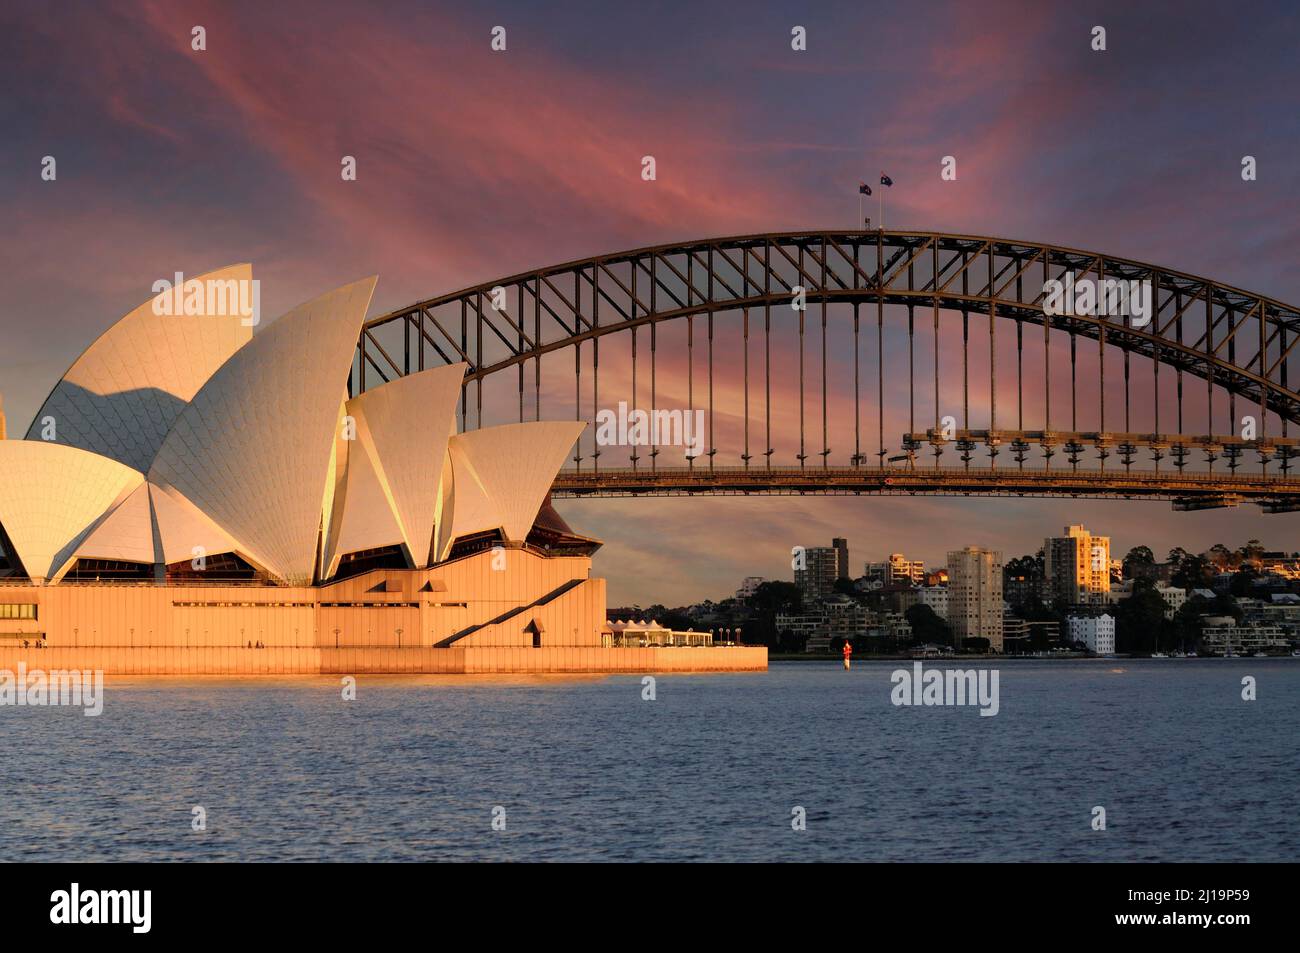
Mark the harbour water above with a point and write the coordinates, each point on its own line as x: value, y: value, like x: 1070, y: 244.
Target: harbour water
x: 710, y: 769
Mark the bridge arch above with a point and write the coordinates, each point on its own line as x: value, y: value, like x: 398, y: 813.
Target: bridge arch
x: 1239, y: 343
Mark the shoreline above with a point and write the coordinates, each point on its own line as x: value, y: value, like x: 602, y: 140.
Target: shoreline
x: 1074, y: 657
x: 487, y: 660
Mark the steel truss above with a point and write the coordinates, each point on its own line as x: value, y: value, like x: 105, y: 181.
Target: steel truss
x: 1236, y: 341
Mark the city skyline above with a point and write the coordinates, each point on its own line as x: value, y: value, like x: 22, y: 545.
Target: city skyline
x: 236, y: 158
x: 817, y: 590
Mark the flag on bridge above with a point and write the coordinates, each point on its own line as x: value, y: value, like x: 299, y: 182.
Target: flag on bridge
x: 885, y: 180
x: 864, y: 189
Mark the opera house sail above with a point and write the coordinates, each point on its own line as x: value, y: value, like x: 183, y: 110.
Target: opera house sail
x: 194, y: 497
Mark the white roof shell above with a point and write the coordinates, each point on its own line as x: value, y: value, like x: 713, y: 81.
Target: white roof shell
x: 52, y: 497
x: 255, y: 461
x: 184, y: 532
x: 122, y: 395
x: 367, y: 520
x: 501, y: 475
x: 402, y: 433
x: 254, y: 449
x: 126, y: 534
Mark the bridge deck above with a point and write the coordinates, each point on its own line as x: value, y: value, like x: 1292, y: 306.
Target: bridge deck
x: 1195, y: 489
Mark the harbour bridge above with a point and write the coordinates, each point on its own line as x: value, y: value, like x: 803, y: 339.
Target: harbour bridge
x: 905, y: 362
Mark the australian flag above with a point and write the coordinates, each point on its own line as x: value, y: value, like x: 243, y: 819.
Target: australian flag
x: 864, y: 188
x: 885, y: 180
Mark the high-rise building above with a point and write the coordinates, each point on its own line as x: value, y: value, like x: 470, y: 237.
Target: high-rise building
x: 897, y: 569
x: 902, y: 569
x: 748, y: 586
x: 815, y: 572
x: 841, y: 547
x: 1076, y: 568
x: 975, y: 595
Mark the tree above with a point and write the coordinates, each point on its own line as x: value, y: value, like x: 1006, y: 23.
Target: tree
x: 1193, y: 572
x: 1242, y: 582
x: 1022, y: 578
x: 1140, y: 619
x: 1035, y: 610
x: 927, y: 626
x: 792, y: 644
x: 776, y: 596
x: 1220, y: 555
x: 1028, y: 566
x: 846, y: 587
x: 1039, y: 640
x: 1252, y: 552
x: 1176, y: 557
x: 1139, y: 562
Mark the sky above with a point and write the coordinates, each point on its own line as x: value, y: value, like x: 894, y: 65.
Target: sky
x: 475, y: 164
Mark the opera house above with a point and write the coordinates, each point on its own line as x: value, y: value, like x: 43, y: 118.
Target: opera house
x: 196, y: 498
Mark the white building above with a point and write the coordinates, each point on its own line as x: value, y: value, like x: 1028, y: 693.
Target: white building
x: 1243, y: 639
x: 1096, y: 632
x: 1174, y: 599
x: 749, y: 586
x: 936, y: 597
x: 1172, y: 595
x: 638, y: 633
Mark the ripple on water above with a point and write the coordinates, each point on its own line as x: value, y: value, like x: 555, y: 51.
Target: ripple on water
x: 585, y: 769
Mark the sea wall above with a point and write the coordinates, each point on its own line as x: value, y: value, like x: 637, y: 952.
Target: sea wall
x: 229, y: 660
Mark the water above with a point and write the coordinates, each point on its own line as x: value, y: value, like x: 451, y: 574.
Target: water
x: 586, y: 769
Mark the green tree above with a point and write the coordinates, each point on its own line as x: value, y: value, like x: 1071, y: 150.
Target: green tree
x: 790, y: 643
x: 1029, y: 566
x: 1242, y: 582
x: 1039, y: 640
x: 1252, y: 552
x: 1221, y: 556
x: 1035, y: 610
x: 1140, y: 619
x: 846, y: 587
x: 1176, y: 557
x: 776, y: 596
x: 927, y: 626
x: 1193, y: 572
x: 1139, y: 562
